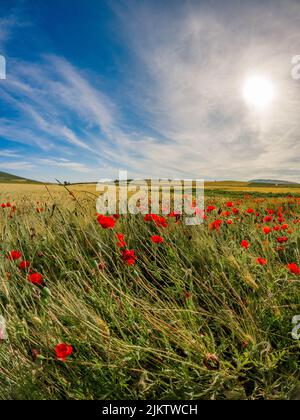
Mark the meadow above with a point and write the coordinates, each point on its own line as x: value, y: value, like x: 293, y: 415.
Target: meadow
x: 137, y: 307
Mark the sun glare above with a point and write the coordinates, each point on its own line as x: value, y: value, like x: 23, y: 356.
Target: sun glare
x: 258, y: 92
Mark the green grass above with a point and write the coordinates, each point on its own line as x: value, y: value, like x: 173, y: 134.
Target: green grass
x: 8, y: 178
x: 194, y: 318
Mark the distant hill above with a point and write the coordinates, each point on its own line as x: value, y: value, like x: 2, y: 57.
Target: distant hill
x: 272, y: 182
x: 8, y: 178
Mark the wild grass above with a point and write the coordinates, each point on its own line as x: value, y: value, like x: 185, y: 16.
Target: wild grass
x: 194, y: 318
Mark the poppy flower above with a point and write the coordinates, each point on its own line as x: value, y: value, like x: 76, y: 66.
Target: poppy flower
x: 266, y: 230
x: 62, y: 351
x: 282, y: 240
x: 262, y: 261
x: 35, y: 278
x: 229, y: 204
x: 106, y: 222
x: 150, y: 217
x: 14, y: 255
x: 121, y: 242
x: 156, y: 239
x: 293, y: 268
x: 161, y: 222
x: 250, y: 211
x: 210, y: 208
x: 24, y: 265
x: 129, y: 257
x: 226, y: 213
x: 215, y: 225
x: 245, y: 244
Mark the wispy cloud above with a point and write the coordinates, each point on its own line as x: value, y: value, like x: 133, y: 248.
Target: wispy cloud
x: 64, y: 163
x: 16, y: 165
x: 9, y: 154
x: 193, y: 62
x: 6, y: 25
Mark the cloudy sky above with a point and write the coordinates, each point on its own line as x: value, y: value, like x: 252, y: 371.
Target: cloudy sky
x: 152, y: 87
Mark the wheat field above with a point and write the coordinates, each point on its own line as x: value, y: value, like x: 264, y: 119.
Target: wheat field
x: 202, y: 312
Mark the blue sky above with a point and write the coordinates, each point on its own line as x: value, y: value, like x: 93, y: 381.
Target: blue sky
x: 152, y: 87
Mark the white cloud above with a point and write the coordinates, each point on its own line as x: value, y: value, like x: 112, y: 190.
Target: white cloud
x: 193, y: 61
x: 73, y: 166
x: 5, y: 29
x: 16, y: 165
x: 9, y: 154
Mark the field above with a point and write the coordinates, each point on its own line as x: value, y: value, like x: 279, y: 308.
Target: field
x: 195, y: 312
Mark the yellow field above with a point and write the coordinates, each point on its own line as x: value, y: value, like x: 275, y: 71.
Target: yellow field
x: 136, y: 307
x: 244, y: 186
x: 42, y: 192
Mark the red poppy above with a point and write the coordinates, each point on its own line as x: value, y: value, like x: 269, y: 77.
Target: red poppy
x: 150, y: 217
x: 210, y: 208
x: 294, y: 269
x: 156, y: 239
x: 24, y: 265
x: 229, y: 204
x: 215, y: 225
x: 121, y: 242
x: 226, y: 213
x: 266, y: 230
x: 35, y: 278
x: 282, y: 240
x: 245, y: 244
x: 262, y: 261
x: 129, y: 257
x: 62, y: 351
x: 14, y: 255
x: 161, y: 222
x: 106, y: 222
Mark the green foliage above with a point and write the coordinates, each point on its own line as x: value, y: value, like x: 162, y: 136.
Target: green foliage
x: 194, y: 318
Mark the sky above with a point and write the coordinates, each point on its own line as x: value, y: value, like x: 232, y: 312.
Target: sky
x: 151, y: 87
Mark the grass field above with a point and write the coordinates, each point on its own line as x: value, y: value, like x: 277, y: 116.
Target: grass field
x: 204, y: 312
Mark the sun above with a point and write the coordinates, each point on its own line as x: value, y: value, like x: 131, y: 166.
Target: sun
x: 258, y: 92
